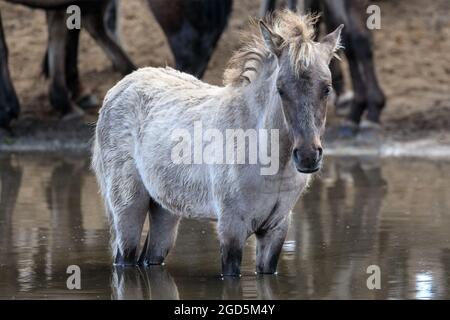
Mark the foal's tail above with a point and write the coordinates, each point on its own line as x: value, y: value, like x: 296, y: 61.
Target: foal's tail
x: 97, y: 163
x: 98, y: 166
x: 100, y: 152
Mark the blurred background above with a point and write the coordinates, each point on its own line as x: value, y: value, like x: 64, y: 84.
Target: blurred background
x: 410, y: 53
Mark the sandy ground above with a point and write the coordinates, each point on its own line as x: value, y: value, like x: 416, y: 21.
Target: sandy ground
x: 411, y: 51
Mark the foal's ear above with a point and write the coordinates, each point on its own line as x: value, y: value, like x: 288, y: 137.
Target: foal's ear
x: 332, y: 41
x: 272, y: 41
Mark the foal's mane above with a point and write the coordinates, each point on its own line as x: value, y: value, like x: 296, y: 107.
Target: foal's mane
x: 297, y: 32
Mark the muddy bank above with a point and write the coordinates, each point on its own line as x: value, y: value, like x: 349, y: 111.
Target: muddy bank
x: 49, y: 135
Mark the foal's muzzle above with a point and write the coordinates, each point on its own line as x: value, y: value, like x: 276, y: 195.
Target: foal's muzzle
x: 307, y: 160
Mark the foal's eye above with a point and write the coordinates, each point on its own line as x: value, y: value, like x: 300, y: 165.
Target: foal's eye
x: 327, y: 91
x: 280, y: 92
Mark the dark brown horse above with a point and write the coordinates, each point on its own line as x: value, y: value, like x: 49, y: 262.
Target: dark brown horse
x: 368, y: 99
x: 64, y: 84
x: 192, y: 27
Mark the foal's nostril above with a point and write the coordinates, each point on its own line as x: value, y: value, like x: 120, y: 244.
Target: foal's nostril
x: 320, y: 151
x: 296, y: 154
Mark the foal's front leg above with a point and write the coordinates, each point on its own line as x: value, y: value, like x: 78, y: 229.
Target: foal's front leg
x: 269, y: 244
x: 232, y: 235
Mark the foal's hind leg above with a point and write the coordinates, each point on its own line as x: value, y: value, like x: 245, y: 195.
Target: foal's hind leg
x: 161, y: 237
x: 269, y: 245
x: 128, y: 211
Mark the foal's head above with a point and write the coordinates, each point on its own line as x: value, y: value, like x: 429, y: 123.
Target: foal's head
x: 303, y: 79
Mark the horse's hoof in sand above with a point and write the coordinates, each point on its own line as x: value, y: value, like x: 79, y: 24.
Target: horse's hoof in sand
x: 75, y: 113
x: 6, y: 132
x: 347, y: 130
x: 88, y: 101
x: 369, y: 132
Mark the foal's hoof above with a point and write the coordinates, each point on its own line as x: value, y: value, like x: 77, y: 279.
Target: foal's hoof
x: 236, y: 275
x: 155, y: 261
x: 128, y: 259
x: 266, y: 272
x: 87, y: 101
x: 266, y: 269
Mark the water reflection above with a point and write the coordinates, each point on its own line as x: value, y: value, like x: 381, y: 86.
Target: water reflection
x: 359, y: 212
x: 143, y: 283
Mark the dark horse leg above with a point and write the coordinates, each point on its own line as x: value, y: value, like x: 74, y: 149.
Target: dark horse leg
x: 335, y: 65
x: 61, y: 60
x: 58, y: 35
x: 95, y: 25
x: 82, y: 99
x: 267, y: 6
x: 367, y: 93
x: 192, y: 28
x: 111, y: 19
x: 337, y: 76
x: 72, y: 77
x: 94, y: 20
x: 73, y: 83
x: 317, y: 7
x: 363, y: 52
x: 335, y: 13
x: 9, y: 104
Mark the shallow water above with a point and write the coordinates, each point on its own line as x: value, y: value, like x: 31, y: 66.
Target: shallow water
x: 392, y: 213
